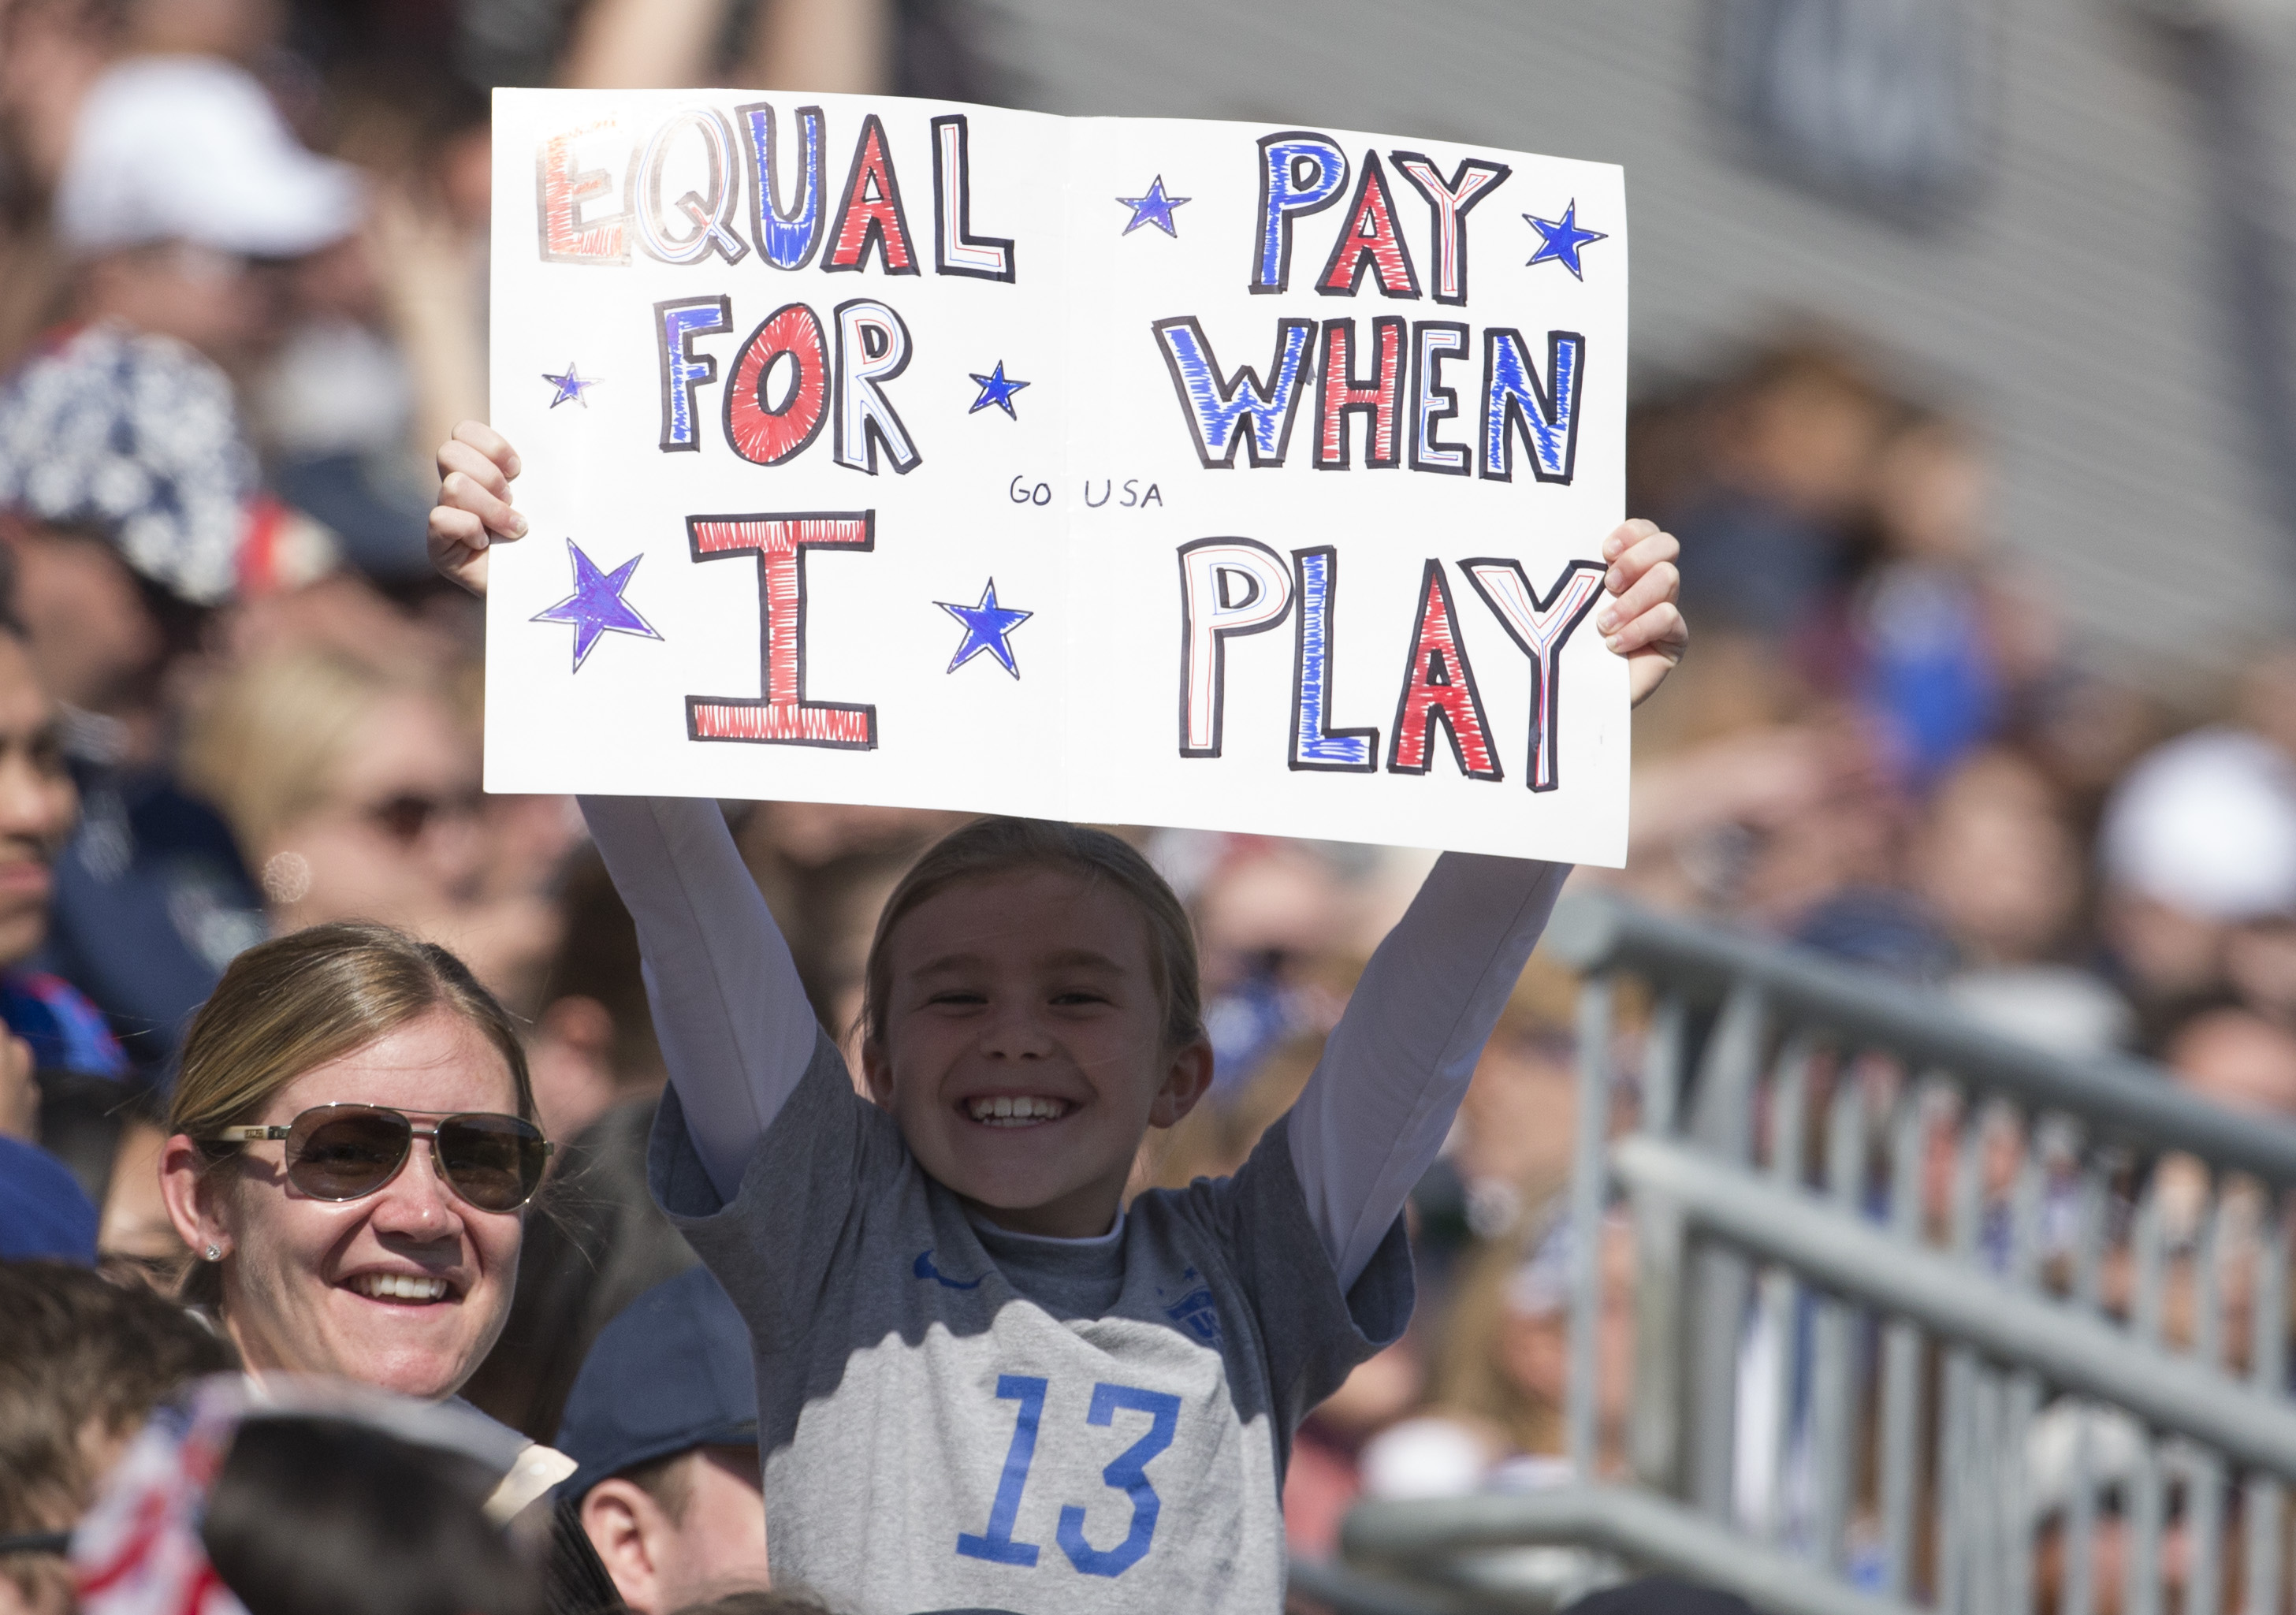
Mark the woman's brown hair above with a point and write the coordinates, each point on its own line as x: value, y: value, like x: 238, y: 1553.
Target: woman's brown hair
x: 295, y: 1002
x: 1000, y: 846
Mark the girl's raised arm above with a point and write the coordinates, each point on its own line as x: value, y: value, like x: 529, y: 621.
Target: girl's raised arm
x: 1373, y: 1117
x: 736, y: 1029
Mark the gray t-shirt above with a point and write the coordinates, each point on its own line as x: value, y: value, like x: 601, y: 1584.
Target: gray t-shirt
x: 953, y: 1418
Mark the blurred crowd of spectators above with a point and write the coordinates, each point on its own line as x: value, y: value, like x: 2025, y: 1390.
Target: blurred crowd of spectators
x: 243, y: 295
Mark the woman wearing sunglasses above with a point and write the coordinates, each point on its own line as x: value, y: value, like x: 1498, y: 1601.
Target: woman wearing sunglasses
x: 351, y: 1148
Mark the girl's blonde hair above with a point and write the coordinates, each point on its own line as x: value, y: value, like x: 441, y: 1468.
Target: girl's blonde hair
x: 999, y: 846
x: 294, y: 1003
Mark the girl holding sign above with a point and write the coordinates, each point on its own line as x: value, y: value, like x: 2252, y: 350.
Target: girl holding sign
x: 984, y: 1383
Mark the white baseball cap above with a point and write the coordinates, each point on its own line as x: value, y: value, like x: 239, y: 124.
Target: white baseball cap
x: 188, y: 148
x: 2207, y: 823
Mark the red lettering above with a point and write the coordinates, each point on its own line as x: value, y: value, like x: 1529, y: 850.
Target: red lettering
x: 1339, y: 394
x: 1437, y: 683
x: 565, y: 238
x: 872, y: 210
x: 1370, y: 240
x: 760, y: 433
x: 783, y: 716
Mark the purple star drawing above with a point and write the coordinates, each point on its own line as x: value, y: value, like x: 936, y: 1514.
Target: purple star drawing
x: 995, y: 387
x: 571, y: 386
x: 987, y: 627
x: 597, y: 605
x: 1560, y: 239
x: 1153, y: 208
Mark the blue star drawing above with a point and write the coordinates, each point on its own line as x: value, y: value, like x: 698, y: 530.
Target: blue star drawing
x: 1153, y: 208
x: 571, y: 386
x: 987, y: 627
x: 995, y: 387
x: 1560, y: 239
x: 597, y: 605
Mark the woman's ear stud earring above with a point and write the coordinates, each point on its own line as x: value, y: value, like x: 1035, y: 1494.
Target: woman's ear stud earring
x: 215, y: 1253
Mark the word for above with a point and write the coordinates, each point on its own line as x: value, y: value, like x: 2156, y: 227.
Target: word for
x: 1230, y: 588
x: 784, y: 381
x: 1127, y: 1473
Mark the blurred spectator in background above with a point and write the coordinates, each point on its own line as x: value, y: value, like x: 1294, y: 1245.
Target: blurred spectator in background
x: 44, y: 1212
x: 1781, y: 454
x: 82, y: 1363
x: 354, y: 793
x: 78, y: 1074
x: 187, y: 204
x: 310, y: 1499
x: 826, y: 870
x: 1494, y: 1413
x: 778, y: 1601
x: 1511, y: 1146
x: 2237, y: 1058
x: 2198, y: 840
x: 1922, y: 617
x: 50, y: 50
x: 663, y: 1422
x: 124, y: 493
x: 1999, y: 864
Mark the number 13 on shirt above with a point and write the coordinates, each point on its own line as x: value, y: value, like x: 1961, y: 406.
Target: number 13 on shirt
x: 1128, y: 1473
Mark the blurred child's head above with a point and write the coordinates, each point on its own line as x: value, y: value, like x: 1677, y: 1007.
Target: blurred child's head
x: 82, y: 1362
x: 1998, y: 861
x: 1033, y: 1008
x: 1930, y: 492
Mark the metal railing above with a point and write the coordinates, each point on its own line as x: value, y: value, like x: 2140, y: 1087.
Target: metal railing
x: 1923, y: 1317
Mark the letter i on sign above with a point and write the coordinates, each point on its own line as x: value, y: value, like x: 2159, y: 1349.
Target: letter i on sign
x: 781, y: 715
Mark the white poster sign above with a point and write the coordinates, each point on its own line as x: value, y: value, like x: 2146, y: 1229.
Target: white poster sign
x: 1123, y: 469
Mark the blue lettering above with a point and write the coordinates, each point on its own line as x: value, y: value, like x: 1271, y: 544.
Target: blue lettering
x: 1299, y: 173
x: 997, y: 1545
x: 786, y: 239
x: 1546, y: 413
x: 1315, y: 746
x: 682, y: 370
x: 1128, y: 1474
x: 1215, y: 405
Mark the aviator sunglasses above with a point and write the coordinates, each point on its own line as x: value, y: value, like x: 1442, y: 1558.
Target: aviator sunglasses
x: 346, y: 1152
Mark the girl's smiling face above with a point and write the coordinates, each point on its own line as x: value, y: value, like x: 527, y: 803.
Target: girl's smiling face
x: 1024, y: 1051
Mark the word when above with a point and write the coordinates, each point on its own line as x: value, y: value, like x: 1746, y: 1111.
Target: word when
x: 1401, y: 423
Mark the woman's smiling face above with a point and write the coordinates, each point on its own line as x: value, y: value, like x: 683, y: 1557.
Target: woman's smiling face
x: 405, y: 1288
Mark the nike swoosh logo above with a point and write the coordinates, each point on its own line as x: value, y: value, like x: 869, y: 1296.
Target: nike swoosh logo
x: 925, y: 1268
